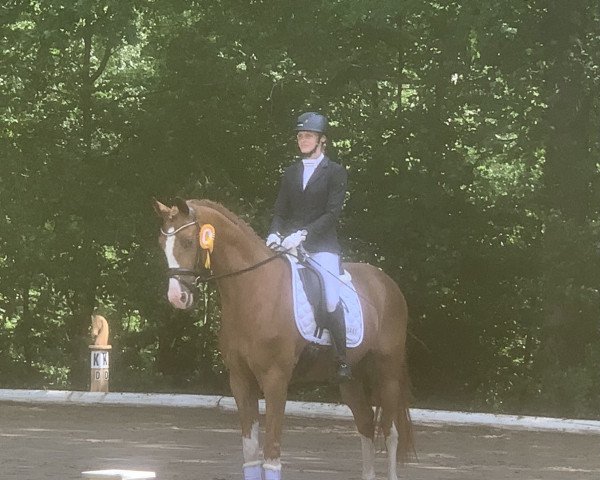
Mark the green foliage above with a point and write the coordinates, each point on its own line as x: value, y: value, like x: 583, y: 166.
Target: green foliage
x: 469, y: 130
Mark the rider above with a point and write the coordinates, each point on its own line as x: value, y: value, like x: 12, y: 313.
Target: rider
x: 308, y: 206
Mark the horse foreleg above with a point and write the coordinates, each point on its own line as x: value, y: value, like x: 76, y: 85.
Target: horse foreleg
x: 355, y: 397
x: 274, y: 384
x: 245, y: 391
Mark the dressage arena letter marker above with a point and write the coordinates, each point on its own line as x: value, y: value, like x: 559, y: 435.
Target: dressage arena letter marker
x: 99, y: 355
x: 99, y: 363
x: 99, y: 359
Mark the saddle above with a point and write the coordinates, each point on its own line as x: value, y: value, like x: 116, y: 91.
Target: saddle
x: 311, y: 316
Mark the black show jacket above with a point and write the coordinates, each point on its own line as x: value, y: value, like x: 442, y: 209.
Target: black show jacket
x: 316, y: 208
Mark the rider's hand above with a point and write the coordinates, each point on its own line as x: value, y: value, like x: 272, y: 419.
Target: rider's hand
x: 273, y: 240
x: 293, y: 240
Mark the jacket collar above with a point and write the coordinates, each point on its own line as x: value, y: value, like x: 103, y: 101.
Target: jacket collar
x: 321, y: 168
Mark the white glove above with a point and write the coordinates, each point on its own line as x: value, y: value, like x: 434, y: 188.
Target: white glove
x: 293, y: 240
x: 273, y: 240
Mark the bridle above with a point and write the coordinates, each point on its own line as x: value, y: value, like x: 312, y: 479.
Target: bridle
x: 178, y: 271
x: 199, y: 274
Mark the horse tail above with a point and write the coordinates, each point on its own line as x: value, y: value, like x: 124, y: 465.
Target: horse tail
x: 406, y: 448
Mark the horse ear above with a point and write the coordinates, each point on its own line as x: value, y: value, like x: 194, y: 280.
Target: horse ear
x: 160, y: 209
x: 182, y: 206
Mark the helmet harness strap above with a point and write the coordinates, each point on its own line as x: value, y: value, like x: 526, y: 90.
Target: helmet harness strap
x: 311, y: 153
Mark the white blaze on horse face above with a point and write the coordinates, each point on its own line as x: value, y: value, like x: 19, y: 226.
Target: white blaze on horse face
x: 178, y: 296
x: 170, y: 249
x: 368, y: 458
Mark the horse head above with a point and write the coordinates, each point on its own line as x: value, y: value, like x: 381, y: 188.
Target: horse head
x: 99, y: 330
x: 187, y: 237
x: 179, y: 237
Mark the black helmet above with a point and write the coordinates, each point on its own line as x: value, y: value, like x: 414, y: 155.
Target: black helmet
x: 312, y: 122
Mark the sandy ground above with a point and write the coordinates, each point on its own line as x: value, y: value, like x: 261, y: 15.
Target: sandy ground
x: 59, y: 442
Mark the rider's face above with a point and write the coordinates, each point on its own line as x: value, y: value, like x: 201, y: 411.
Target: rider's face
x: 307, y: 141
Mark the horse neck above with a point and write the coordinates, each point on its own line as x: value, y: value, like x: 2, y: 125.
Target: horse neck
x: 235, y: 247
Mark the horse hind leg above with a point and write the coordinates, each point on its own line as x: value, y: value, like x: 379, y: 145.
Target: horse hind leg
x: 353, y: 394
x: 395, y: 418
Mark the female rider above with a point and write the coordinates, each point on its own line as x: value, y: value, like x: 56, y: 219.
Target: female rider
x: 308, y: 206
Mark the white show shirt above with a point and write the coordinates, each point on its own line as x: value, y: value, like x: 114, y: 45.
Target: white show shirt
x: 310, y: 165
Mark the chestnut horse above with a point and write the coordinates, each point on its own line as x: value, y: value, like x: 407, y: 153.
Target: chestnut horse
x: 261, y: 345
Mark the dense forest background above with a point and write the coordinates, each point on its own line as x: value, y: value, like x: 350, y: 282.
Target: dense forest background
x: 470, y: 131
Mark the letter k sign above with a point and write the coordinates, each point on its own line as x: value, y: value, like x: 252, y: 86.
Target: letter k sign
x: 99, y: 359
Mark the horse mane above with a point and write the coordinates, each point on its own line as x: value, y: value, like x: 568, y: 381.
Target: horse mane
x: 232, y: 217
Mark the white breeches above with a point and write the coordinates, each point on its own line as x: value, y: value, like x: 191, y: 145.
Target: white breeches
x: 328, y: 264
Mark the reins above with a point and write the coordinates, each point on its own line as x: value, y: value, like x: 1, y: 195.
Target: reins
x: 211, y: 278
x: 198, y: 278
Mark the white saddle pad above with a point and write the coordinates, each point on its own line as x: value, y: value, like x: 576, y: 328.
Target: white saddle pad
x: 305, y: 319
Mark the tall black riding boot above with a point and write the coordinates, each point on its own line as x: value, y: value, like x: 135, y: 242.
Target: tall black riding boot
x: 337, y: 330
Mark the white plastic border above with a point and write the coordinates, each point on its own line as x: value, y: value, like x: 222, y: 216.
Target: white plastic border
x: 301, y: 409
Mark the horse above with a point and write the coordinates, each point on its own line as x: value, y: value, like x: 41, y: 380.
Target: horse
x: 261, y: 346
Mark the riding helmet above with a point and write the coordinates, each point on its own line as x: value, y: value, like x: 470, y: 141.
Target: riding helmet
x: 312, y: 122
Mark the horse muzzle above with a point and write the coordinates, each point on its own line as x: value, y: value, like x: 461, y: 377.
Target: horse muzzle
x: 179, y: 295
